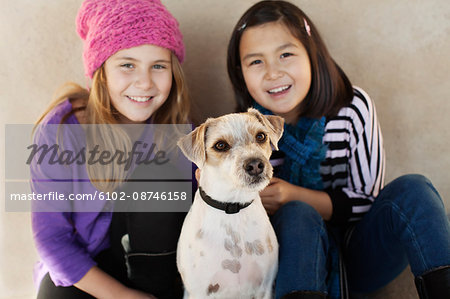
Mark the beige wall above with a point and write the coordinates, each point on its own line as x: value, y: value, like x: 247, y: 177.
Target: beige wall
x: 397, y: 50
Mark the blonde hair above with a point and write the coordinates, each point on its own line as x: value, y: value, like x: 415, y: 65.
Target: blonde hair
x: 98, y: 109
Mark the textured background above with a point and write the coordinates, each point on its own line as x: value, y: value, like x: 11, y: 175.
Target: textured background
x: 398, y: 51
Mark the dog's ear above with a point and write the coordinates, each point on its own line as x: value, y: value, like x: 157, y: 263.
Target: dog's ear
x: 276, y: 128
x: 274, y: 123
x: 193, y: 145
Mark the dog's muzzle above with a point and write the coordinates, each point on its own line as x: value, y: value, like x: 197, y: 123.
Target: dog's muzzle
x: 256, y: 171
x: 254, y: 167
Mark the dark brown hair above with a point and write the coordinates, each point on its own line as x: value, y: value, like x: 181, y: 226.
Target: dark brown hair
x: 330, y: 88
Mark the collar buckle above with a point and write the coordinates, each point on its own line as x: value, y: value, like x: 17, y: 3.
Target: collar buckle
x: 227, y: 207
x: 232, y: 208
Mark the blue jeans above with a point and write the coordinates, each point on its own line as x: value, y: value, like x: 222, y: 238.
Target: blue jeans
x: 406, y: 224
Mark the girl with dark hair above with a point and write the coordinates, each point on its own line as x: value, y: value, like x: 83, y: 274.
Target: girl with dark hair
x: 328, y: 188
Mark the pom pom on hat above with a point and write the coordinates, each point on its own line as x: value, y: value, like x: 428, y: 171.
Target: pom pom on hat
x: 108, y: 26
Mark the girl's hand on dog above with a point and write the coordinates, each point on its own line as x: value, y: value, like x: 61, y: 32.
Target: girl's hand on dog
x: 276, y: 194
x: 279, y: 192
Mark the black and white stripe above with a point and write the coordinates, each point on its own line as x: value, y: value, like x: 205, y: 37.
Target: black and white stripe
x: 355, y: 161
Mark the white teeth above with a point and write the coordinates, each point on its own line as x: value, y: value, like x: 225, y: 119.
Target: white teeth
x: 140, y: 99
x: 279, y: 89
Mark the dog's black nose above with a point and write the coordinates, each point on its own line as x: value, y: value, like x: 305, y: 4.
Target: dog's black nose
x: 254, y: 167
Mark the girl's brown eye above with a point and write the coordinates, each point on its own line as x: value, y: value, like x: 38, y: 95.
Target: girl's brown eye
x: 221, y: 146
x: 261, y: 137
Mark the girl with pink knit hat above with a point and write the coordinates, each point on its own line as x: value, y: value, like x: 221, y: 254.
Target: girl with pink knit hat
x: 132, y: 54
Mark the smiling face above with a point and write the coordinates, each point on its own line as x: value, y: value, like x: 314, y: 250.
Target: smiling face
x: 276, y: 68
x: 139, y: 81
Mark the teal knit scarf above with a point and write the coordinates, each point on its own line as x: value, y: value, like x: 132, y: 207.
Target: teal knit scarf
x: 304, y: 149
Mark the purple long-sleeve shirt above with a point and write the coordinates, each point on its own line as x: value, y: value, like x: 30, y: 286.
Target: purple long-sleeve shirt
x: 69, y: 238
x: 66, y: 242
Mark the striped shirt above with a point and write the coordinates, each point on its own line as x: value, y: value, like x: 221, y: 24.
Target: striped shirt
x: 354, y: 168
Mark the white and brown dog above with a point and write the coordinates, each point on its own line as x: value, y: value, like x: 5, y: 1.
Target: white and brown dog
x: 227, y: 247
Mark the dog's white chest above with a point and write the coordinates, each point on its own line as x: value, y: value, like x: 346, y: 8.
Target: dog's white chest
x: 227, y: 255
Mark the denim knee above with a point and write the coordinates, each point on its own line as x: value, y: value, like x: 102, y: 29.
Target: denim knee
x: 297, y: 211
x: 406, y: 211
x: 410, y: 190
x: 294, y: 217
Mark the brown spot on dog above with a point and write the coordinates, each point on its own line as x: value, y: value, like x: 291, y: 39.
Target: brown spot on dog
x: 249, y: 248
x: 199, y: 234
x: 269, y: 244
x: 233, y: 234
x: 255, y: 247
x: 212, y: 289
x: 202, y: 253
x: 232, y: 265
x: 235, y: 237
x: 236, y: 251
x: 228, y: 244
x: 228, y: 229
x: 233, y: 248
x: 259, y: 248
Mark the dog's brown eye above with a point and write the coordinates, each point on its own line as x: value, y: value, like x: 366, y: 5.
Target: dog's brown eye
x: 221, y: 146
x: 261, y: 137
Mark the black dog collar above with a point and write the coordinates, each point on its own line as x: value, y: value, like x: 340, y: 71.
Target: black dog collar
x: 229, y: 208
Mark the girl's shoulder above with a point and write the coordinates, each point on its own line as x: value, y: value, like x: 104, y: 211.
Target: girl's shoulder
x: 58, y: 113
x: 359, y: 115
x: 49, y: 129
x: 361, y: 106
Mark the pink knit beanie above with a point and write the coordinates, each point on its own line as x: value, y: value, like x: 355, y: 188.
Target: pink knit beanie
x: 107, y: 26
